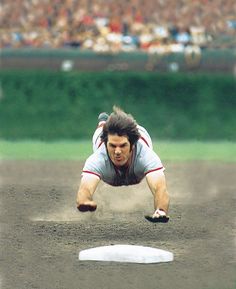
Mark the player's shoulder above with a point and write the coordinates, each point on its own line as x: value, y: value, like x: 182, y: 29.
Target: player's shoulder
x: 100, y: 155
x: 144, y: 152
x: 142, y: 147
x: 97, y: 162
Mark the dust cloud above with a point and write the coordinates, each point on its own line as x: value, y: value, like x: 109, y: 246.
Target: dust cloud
x: 124, y: 199
x: 109, y: 200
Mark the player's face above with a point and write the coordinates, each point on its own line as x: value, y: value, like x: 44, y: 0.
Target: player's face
x: 119, y: 149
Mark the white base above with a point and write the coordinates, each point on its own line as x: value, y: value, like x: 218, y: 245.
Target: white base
x: 126, y: 253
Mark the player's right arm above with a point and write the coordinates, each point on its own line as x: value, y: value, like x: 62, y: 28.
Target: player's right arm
x: 88, y: 185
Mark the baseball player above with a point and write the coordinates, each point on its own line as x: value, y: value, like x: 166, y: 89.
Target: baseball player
x: 123, y: 155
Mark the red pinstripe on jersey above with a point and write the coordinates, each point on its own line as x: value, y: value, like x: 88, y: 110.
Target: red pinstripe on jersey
x: 153, y: 170
x: 142, y: 138
x: 92, y: 173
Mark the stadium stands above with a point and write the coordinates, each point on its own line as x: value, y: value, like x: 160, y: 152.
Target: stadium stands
x: 110, y: 25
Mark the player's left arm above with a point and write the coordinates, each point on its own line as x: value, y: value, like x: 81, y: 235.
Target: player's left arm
x: 157, y: 183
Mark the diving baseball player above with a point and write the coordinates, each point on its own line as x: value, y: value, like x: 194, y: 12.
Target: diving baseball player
x: 123, y: 155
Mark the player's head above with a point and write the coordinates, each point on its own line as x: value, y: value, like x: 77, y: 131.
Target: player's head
x: 121, y: 124
x: 120, y: 133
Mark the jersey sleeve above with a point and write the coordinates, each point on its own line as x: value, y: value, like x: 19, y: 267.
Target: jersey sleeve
x: 151, y: 162
x: 93, y: 165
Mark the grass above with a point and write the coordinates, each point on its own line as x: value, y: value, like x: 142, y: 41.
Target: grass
x: 194, y: 150
x: 38, y: 150
x: 79, y: 150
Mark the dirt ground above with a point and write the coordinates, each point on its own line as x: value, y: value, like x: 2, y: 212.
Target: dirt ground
x: 41, y: 233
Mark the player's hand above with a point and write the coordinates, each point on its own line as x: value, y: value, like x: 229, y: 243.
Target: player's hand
x: 159, y: 216
x: 87, y: 206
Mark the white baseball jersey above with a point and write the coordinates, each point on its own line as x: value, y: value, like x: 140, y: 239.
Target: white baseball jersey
x: 144, y: 160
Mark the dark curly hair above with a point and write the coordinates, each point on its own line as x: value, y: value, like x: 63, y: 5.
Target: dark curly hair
x: 122, y: 124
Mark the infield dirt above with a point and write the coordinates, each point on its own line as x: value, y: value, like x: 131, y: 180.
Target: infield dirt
x: 41, y: 232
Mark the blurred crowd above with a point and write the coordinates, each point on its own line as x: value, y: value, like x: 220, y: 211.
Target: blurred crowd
x: 110, y: 25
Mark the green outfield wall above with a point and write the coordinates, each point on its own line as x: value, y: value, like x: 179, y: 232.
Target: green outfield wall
x: 192, y: 59
x: 64, y: 105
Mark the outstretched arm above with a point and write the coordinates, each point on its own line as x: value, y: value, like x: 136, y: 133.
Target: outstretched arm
x: 88, y: 185
x: 157, y: 184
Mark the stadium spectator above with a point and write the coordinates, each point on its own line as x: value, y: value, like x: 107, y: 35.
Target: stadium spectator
x: 125, y: 25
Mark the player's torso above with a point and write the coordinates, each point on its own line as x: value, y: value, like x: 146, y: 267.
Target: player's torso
x: 144, y: 160
x: 130, y: 175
